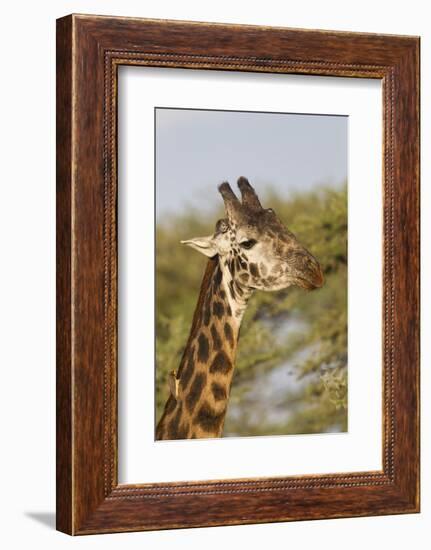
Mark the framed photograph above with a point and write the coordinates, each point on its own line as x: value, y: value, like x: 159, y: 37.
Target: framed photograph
x: 237, y: 274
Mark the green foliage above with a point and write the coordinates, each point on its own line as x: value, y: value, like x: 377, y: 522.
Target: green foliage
x: 292, y: 338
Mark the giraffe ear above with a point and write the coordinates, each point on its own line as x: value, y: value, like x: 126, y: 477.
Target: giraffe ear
x: 205, y: 245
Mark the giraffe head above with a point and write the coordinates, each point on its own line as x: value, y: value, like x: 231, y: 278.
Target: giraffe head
x: 256, y: 247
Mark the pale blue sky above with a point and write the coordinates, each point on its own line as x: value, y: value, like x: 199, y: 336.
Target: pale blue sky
x: 196, y: 150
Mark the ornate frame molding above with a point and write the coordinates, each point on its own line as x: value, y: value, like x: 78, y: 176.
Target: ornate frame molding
x: 90, y: 49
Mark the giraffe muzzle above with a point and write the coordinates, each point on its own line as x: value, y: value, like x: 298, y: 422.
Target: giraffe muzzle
x: 311, y: 277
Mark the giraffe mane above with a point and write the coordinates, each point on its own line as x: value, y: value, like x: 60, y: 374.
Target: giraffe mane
x: 211, y: 266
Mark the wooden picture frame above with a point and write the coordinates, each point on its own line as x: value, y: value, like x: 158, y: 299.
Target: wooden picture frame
x: 89, y: 51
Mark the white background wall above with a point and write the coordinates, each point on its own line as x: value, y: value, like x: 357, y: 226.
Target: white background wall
x: 27, y: 239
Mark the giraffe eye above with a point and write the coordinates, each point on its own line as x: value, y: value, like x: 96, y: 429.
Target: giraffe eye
x: 248, y: 244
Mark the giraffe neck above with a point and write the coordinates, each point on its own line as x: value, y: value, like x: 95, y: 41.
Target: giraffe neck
x: 202, y: 384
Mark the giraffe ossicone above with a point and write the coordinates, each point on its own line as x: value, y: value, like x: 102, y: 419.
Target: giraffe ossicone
x: 250, y: 249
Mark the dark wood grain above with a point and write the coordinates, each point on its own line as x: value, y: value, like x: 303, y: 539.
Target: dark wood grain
x: 64, y: 289
x: 90, y: 49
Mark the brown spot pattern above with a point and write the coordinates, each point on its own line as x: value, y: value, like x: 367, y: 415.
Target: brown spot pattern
x: 242, y: 263
x: 203, y: 348
x: 170, y: 405
x: 195, y: 390
x: 221, y: 363
x: 187, y: 372
x: 208, y: 419
x: 218, y: 391
x: 174, y: 423
x: 207, y: 315
x: 253, y: 270
x: 218, y: 277
x: 228, y: 333
x: 218, y: 309
x: 217, y: 343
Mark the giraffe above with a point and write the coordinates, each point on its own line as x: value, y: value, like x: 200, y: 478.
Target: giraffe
x: 250, y: 249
